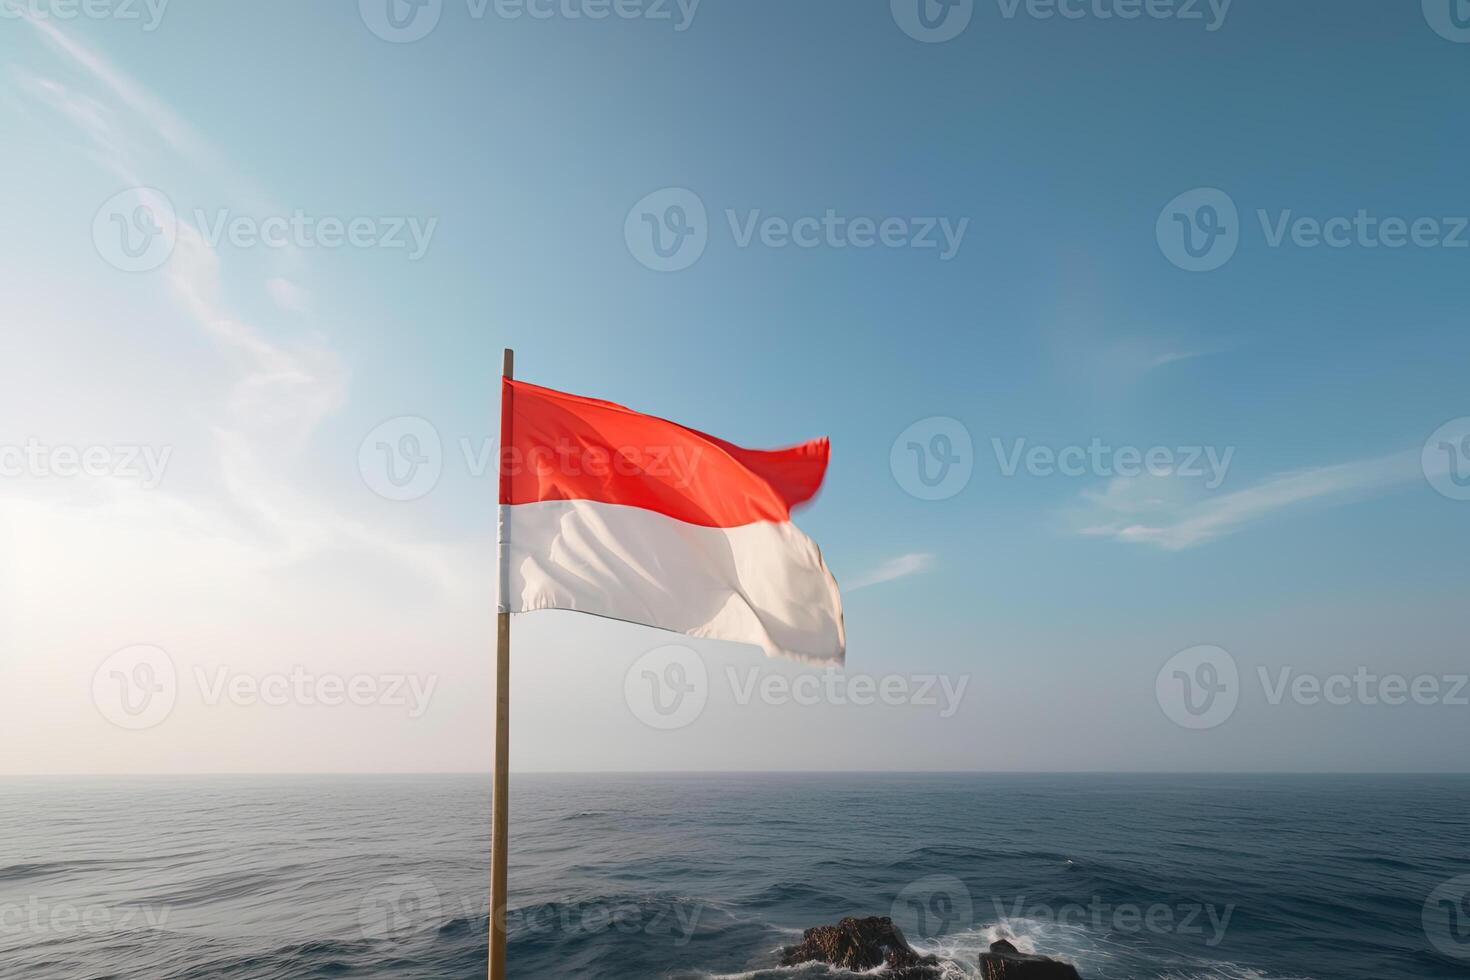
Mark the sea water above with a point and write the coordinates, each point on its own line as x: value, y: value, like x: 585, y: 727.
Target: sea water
x: 698, y: 876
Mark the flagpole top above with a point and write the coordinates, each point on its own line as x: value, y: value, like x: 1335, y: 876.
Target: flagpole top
x: 508, y: 364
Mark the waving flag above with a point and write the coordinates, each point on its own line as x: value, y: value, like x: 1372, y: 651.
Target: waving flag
x: 607, y: 511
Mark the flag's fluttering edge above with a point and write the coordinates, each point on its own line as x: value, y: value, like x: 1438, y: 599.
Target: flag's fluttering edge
x: 607, y: 511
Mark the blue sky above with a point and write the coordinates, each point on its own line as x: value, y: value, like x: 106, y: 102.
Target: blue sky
x: 518, y: 147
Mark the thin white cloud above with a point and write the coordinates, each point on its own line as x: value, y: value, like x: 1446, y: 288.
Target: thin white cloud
x: 288, y: 295
x: 1144, y: 511
x: 159, y: 118
x: 1176, y: 356
x: 284, y: 386
x: 894, y: 568
x: 1109, y: 357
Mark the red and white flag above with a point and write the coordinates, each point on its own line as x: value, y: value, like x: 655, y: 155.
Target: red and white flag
x: 607, y: 511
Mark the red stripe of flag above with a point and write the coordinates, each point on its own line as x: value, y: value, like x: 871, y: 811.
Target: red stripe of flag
x: 558, y: 446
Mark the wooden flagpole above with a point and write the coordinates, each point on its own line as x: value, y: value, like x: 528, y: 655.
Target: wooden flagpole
x: 500, y: 805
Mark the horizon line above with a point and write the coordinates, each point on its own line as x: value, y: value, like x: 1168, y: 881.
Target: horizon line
x: 486, y: 773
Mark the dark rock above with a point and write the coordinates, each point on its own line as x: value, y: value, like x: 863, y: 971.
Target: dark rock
x: 862, y: 944
x: 1005, y: 962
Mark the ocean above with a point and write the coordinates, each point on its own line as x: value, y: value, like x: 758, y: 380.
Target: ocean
x: 703, y: 876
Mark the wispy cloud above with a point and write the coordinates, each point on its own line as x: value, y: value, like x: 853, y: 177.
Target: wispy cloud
x: 1109, y: 356
x: 894, y: 568
x: 1175, y: 356
x: 284, y: 384
x: 160, y: 120
x: 1127, y: 360
x: 1146, y: 510
x: 288, y: 295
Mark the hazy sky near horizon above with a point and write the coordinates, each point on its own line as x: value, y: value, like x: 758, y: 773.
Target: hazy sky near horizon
x: 1014, y: 270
